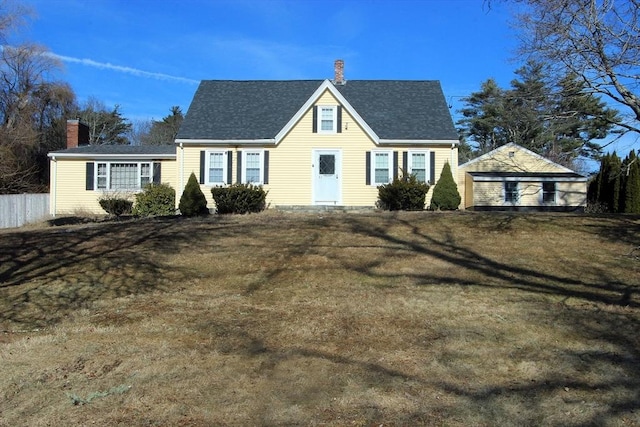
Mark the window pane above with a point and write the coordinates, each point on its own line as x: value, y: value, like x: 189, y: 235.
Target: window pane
x: 420, y: 174
x: 418, y: 166
x: 510, y: 191
x: 102, y: 176
x: 123, y: 176
x: 549, y: 192
x: 382, y: 176
x: 381, y: 173
x: 216, y: 167
x: 418, y: 160
x: 326, y: 118
x: 252, y: 167
x: 327, y: 164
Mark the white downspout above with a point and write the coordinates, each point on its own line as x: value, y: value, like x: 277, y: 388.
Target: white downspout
x: 53, y: 190
x: 181, y: 173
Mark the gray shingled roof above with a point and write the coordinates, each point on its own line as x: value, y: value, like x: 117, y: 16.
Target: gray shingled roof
x: 401, y: 109
x: 120, y: 149
x: 394, y: 109
x: 244, y: 109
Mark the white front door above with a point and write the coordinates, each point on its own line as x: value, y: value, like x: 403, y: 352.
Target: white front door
x: 326, y: 177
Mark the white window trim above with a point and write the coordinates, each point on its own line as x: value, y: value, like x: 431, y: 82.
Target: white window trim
x: 427, y: 163
x: 373, y: 167
x: 244, y: 166
x: 504, y: 193
x: 207, y: 162
x: 108, y: 175
x: 334, y: 109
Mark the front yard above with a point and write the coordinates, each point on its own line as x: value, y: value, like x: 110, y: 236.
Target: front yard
x: 323, y: 319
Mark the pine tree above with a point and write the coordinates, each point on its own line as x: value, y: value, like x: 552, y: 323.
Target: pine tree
x: 445, y: 193
x: 193, y: 201
x: 632, y: 184
x: 614, y: 184
x: 554, y: 116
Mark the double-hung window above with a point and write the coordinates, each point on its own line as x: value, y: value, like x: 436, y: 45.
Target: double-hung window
x: 548, y: 192
x: 253, y: 166
x: 381, y: 166
x: 511, y: 194
x: 327, y: 118
x: 114, y: 176
x: 216, y: 167
x: 418, y: 165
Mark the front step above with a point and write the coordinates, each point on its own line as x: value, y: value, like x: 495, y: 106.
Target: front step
x: 324, y: 208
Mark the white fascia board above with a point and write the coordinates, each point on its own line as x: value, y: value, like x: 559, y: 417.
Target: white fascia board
x: 419, y: 142
x: 110, y: 156
x: 326, y: 85
x: 226, y: 141
x: 527, y: 179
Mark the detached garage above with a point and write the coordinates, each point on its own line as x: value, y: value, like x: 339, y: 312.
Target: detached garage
x: 514, y: 178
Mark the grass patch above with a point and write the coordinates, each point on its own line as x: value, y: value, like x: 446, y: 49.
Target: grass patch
x: 406, y: 318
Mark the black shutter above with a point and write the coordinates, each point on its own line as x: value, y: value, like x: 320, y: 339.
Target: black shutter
x: 239, y: 166
x: 315, y: 120
x: 202, y: 153
x: 367, y: 163
x: 229, y: 167
x: 395, y: 165
x: 405, y: 162
x: 432, y: 168
x: 157, y: 172
x: 89, y: 176
x: 339, y: 127
x: 266, y: 167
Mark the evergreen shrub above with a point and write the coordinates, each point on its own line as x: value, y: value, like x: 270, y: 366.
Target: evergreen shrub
x: 115, y: 205
x: 192, y: 201
x: 445, y: 194
x: 155, y: 200
x: 239, y: 199
x: 403, y: 193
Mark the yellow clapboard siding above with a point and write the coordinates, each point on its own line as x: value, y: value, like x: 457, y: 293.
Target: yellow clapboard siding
x: 69, y: 195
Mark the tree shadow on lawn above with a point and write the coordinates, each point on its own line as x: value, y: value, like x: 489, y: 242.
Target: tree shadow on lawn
x: 618, y: 370
x: 46, y: 274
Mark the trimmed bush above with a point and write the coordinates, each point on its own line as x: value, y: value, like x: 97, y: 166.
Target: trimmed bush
x: 404, y: 193
x: 115, y: 205
x: 155, y: 200
x: 192, y: 201
x: 445, y: 194
x: 239, y: 199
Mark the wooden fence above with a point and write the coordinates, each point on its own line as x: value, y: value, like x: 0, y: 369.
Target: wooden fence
x: 17, y: 210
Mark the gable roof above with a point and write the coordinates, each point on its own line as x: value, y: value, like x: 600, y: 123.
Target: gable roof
x: 512, y: 146
x: 264, y: 111
x: 118, y: 151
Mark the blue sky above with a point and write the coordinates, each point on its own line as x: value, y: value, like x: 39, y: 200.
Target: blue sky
x: 148, y: 55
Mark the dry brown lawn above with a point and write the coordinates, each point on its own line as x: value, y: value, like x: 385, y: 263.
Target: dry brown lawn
x: 463, y: 319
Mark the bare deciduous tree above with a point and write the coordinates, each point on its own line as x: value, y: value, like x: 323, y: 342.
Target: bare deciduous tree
x: 597, y: 40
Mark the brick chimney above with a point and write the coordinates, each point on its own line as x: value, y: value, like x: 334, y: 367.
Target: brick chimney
x: 77, y: 133
x: 338, y: 68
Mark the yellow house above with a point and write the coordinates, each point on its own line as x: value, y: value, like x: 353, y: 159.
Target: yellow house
x: 315, y: 142
x: 307, y: 142
x: 514, y: 178
x: 81, y: 174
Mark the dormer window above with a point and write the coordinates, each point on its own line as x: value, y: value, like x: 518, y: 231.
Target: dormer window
x: 327, y: 119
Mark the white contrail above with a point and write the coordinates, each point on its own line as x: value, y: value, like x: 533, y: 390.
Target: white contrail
x: 121, y: 69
